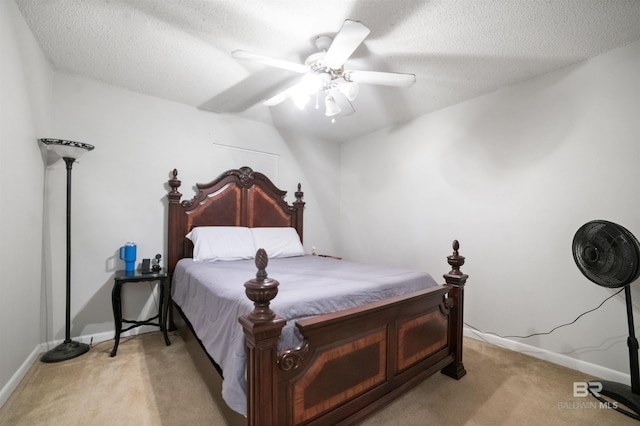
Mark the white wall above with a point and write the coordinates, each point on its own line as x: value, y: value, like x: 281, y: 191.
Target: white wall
x: 25, y: 101
x: 119, y: 188
x: 512, y: 175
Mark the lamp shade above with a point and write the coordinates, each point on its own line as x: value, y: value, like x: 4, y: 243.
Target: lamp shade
x: 66, y: 149
x: 349, y: 89
x: 331, y: 108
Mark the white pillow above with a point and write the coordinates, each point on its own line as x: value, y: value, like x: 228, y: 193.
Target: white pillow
x: 278, y: 242
x: 211, y: 243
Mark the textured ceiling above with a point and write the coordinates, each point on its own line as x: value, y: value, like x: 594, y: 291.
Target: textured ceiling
x: 180, y: 49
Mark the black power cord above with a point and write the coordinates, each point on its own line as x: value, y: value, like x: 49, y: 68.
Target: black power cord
x: 553, y: 329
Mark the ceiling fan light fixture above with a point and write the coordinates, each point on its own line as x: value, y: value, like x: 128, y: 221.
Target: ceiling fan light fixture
x: 349, y: 89
x: 300, y: 100
x: 331, y: 108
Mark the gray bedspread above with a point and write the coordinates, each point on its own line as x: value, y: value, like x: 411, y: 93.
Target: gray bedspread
x: 211, y: 295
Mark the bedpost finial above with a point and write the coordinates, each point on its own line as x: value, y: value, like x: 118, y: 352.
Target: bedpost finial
x: 455, y: 260
x: 262, y: 260
x: 174, y: 195
x: 299, y: 194
x: 261, y: 290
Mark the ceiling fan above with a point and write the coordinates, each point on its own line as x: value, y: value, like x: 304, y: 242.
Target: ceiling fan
x: 323, y: 73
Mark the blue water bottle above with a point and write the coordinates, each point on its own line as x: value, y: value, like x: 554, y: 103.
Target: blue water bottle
x: 128, y: 254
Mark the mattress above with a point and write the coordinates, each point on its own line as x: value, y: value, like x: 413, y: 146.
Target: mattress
x: 212, y: 297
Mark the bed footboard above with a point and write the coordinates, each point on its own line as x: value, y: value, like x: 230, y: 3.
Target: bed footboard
x: 351, y: 362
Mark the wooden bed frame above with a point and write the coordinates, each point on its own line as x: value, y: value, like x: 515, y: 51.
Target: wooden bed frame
x: 351, y: 362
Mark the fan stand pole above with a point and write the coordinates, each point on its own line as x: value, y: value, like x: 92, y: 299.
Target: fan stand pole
x: 629, y: 396
x: 632, y: 343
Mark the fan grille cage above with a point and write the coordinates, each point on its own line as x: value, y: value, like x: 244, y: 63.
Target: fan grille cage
x: 607, y: 253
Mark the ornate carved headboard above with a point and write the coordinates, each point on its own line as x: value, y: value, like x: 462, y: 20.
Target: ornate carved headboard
x: 238, y: 197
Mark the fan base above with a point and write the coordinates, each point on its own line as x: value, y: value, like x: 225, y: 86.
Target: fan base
x: 64, y: 351
x: 623, y: 394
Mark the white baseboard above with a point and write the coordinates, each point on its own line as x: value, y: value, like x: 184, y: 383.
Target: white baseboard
x: 563, y: 360
x: 14, y: 381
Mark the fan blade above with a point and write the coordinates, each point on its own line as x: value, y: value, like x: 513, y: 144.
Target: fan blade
x: 382, y: 78
x: 272, y: 62
x: 298, y: 93
x: 350, y: 36
x: 282, y: 96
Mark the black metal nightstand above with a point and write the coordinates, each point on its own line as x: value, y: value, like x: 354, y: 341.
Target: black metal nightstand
x: 122, y: 277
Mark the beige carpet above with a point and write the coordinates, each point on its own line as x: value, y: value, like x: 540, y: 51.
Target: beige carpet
x: 148, y: 383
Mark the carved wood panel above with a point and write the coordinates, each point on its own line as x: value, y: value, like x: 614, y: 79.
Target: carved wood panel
x: 420, y: 337
x: 217, y: 209
x: 264, y: 210
x: 332, y: 379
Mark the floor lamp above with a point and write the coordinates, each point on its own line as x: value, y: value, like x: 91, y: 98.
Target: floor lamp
x: 69, y: 151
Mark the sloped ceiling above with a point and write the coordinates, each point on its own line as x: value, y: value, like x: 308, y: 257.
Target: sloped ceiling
x: 180, y: 49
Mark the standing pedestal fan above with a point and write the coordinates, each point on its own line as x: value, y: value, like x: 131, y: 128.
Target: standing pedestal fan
x: 609, y: 255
